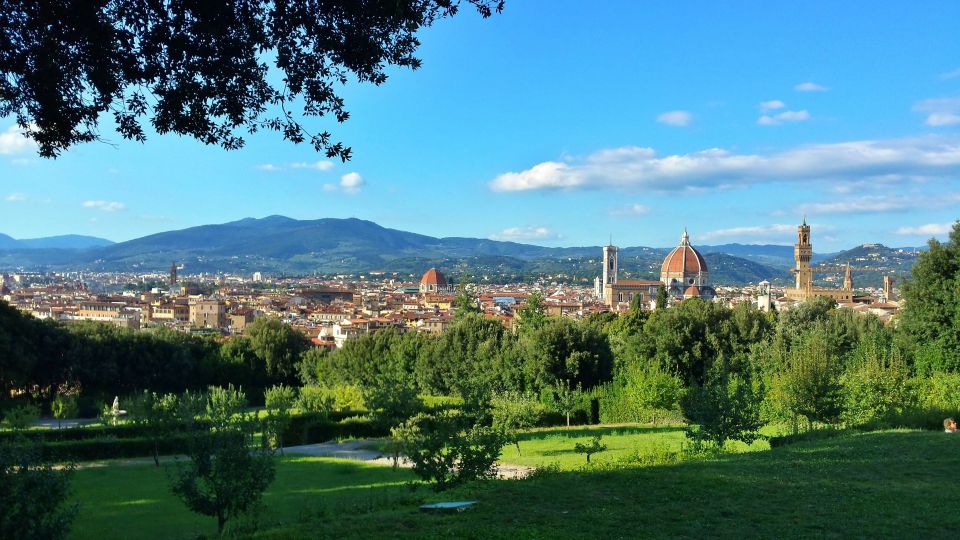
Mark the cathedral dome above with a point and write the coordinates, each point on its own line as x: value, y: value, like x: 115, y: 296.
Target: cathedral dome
x: 684, y: 259
x: 433, y: 277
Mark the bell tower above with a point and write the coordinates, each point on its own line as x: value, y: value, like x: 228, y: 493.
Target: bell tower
x: 610, y: 264
x: 803, y: 253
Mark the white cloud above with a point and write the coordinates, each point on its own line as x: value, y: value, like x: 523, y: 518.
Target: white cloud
x: 641, y: 168
x: 16, y: 198
x: 518, y: 234
x: 317, y: 165
x: 630, y: 210
x: 930, y: 229
x: 952, y: 74
x: 13, y: 142
x: 785, y: 116
x: 106, y: 206
x: 351, y: 182
x: 860, y: 205
x: 772, y: 105
x: 676, y: 118
x: 810, y: 87
x: 269, y: 167
x: 329, y: 187
x: 776, y: 232
x: 940, y: 111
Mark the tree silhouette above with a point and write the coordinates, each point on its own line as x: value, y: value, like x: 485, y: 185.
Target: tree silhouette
x: 210, y: 69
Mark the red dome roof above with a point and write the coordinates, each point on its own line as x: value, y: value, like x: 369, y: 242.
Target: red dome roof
x: 692, y: 291
x: 684, y: 259
x: 433, y: 277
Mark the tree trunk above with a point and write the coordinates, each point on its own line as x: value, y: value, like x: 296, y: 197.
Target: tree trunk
x: 156, y: 451
x: 568, y: 418
x: 221, y: 521
x: 517, y: 443
x: 588, y: 457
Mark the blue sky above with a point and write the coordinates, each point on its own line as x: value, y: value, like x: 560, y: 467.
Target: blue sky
x: 562, y: 122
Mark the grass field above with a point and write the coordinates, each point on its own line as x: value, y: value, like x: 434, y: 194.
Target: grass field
x: 883, y: 484
x: 555, y: 446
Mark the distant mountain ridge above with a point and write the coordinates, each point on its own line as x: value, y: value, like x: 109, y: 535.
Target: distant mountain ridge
x: 65, y: 241
x: 284, y: 245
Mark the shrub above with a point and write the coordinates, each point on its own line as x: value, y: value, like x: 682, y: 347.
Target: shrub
x: 278, y: 400
x: 33, y: 495
x: 513, y: 411
x: 723, y: 409
x: 640, y: 394
x: 450, y: 447
x: 224, y: 477
x: 63, y: 407
x: 875, y: 391
x: 315, y: 399
x: 22, y: 416
x: 594, y: 447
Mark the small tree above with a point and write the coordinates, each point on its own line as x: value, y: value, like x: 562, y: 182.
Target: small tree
x: 223, y: 404
x: 63, y: 407
x: 224, y: 475
x: 594, y: 447
x: 392, y: 398
x: 450, y: 447
x: 809, y: 385
x: 655, y: 390
x: 567, y: 399
x: 279, y: 400
x: 23, y: 416
x: 723, y: 409
x: 513, y: 412
x: 33, y: 495
x: 160, y: 413
x: 661, y: 297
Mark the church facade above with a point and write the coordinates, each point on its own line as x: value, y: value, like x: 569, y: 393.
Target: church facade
x: 684, y: 274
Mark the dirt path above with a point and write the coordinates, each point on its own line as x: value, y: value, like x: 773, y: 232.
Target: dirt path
x: 358, y: 450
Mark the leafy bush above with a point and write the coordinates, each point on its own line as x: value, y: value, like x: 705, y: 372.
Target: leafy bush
x: 315, y: 399
x: 721, y: 410
x: 513, y: 411
x: 450, y: 447
x: 640, y: 394
x: 315, y: 428
x: 111, y: 448
x: 875, y: 390
x: 33, y: 495
x: 22, y: 416
x: 224, y: 476
x: 278, y: 400
x: 594, y: 447
x: 64, y: 407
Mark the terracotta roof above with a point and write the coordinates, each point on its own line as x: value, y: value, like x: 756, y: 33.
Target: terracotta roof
x: 433, y: 277
x: 692, y: 290
x: 684, y: 258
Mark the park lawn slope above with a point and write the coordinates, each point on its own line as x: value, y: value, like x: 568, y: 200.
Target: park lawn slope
x: 555, y: 446
x: 883, y: 484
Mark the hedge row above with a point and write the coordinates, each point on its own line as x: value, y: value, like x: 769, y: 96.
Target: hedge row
x: 315, y: 428
x: 80, y: 433
x: 106, y: 448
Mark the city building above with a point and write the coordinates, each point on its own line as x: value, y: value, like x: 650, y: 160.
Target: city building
x: 805, y: 289
x: 433, y: 281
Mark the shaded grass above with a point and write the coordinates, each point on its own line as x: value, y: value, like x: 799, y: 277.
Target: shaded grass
x: 891, y: 484
x: 132, y: 502
x: 894, y: 484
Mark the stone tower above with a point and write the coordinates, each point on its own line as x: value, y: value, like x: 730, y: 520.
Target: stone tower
x: 173, y: 273
x: 763, y: 296
x: 848, y: 278
x: 610, y: 264
x: 803, y: 253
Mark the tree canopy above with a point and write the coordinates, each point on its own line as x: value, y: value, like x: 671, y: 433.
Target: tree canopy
x: 204, y: 68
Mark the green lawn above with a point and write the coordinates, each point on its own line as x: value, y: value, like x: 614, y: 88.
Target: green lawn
x: 555, y: 446
x: 891, y: 484
x: 130, y: 502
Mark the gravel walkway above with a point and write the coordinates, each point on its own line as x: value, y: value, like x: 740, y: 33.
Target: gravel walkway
x: 359, y: 450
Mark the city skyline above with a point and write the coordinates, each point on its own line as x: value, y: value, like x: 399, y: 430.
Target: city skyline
x: 559, y: 128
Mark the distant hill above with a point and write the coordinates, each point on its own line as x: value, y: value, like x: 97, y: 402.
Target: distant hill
x: 283, y: 245
x: 873, y: 261
x: 67, y: 241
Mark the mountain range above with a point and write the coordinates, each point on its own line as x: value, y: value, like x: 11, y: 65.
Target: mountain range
x: 279, y: 244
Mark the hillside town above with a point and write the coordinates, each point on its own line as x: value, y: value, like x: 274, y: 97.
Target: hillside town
x: 331, y: 310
